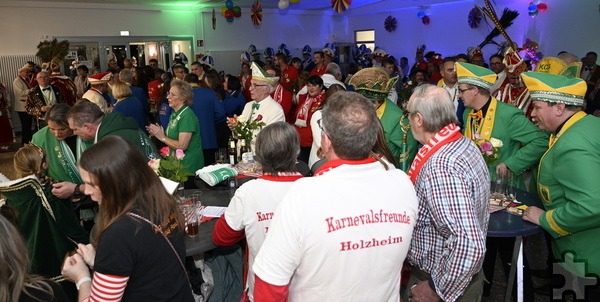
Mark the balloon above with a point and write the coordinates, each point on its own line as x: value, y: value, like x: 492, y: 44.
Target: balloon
x: 427, y: 12
x: 533, y: 14
x: 425, y: 20
x: 223, y: 9
x: 532, y: 8
x: 228, y: 14
x: 237, y: 11
x: 421, y: 15
x: 294, y: 1
x: 542, y: 7
x: 283, y: 4
x: 536, y: 2
x: 230, y: 20
x: 229, y: 4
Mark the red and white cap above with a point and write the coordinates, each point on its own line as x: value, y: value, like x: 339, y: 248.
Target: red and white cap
x: 100, y: 78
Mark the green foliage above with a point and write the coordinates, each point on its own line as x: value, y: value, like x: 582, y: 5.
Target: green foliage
x: 49, y: 50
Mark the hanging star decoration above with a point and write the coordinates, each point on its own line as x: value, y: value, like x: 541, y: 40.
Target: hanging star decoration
x: 214, y: 19
x: 390, y: 23
x: 256, y: 13
x: 474, y: 18
x: 340, y: 6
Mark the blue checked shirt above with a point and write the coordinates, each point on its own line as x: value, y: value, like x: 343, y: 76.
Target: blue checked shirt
x: 448, y: 242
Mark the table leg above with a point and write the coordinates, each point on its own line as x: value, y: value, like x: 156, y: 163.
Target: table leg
x: 514, y: 268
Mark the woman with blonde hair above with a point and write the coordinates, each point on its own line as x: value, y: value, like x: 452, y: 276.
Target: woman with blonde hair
x: 138, y: 249
x: 16, y: 284
x: 48, y: 224
x: 129, y: 105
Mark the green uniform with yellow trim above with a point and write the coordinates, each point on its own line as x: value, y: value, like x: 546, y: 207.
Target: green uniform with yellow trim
x: 568, y: 186
x: 390, y: 116
x: 523, y: 142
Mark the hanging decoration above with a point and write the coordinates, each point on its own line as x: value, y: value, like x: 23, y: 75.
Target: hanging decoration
x: 340, y: 6
x: 256, y: 13
x: 536, y: 7
x: 230, y: 11
x: 423, y: 14
x: 214, y: 19
x: 474, y: 18
x: 500, y: 24
x: 283, y: 4
x: 390, y: 23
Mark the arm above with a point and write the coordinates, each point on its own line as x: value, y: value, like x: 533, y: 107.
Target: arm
x: 229, y: 229
x: 316, y: 130
x: 224, y: 235
x: 579, y: 211
x: 455, y: 218
x: 102, y: 288
x: 264, y: 291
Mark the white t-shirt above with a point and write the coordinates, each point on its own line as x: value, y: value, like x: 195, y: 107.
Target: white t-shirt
x: 251, y: 210
x: 316, y: 135
x: 341, y: 236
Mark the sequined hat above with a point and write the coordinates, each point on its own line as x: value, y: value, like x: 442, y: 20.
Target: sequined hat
x: 555, y: 88
x: 373, y: 83
x: 475, y: 75
x: 259, y: 74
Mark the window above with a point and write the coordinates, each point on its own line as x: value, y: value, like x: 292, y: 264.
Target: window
x: 366, y: 37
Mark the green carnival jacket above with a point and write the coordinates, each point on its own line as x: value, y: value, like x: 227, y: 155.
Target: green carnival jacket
x: 568, y: 186
x: 393, y: 132
x: 523, y: 142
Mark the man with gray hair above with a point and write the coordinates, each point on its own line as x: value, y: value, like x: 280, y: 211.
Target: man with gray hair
x: 262, y: 107
x: 360, y: 234
x: 333, y: 75
x: 91, y: 125
x: 453, y: 187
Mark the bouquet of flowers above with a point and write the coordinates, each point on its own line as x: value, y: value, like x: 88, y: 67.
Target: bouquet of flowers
x: 170, y: 166
x: 244, y: 129
x: 489, y: 148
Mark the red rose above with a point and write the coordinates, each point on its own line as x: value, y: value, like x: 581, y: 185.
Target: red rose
x: 259, y: 117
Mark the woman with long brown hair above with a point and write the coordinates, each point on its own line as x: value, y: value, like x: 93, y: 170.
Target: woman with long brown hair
x: 139, y: 244
x: 16, y: 284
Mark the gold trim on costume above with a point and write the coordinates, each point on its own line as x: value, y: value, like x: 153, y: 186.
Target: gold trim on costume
x: 554, y: 225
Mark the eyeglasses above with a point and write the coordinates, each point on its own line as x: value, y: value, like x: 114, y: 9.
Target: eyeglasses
x: 320, y: 126
x: 253, y: 86
x: 463, y: 90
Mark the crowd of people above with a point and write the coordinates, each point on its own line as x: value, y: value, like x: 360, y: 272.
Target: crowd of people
x: 400, y: 176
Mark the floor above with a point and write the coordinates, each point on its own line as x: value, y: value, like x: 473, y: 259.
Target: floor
x: 534, y: 245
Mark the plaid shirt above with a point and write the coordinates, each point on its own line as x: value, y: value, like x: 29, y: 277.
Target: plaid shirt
x: 448, y: 242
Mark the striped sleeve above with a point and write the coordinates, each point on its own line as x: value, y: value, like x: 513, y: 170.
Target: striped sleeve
x: 107, y: 287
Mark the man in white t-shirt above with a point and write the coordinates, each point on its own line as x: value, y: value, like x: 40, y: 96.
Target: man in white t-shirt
x: 343, y: 234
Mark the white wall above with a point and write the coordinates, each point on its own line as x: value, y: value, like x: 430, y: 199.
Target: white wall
x: 566, y: 25
x: 24, y: 27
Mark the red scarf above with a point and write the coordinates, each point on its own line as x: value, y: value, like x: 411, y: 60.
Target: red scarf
x: 307, y: 108
x: 282, y: 176
x: 445, y: 136
x: 332, y: 164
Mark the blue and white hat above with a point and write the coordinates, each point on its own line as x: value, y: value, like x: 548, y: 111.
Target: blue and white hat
x: 208, y: 61
x: 245, y: 57
x: 306, y: 50
x: 252, y: 50
x: 285, y: 52
x: 269, y: 52
x: 281, y: 48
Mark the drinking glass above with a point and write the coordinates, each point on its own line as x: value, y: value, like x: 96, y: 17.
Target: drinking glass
x: 221, y: 155
x: 189, y: 209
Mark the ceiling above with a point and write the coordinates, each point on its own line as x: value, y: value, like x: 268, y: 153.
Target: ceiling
x: 301, y: 5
